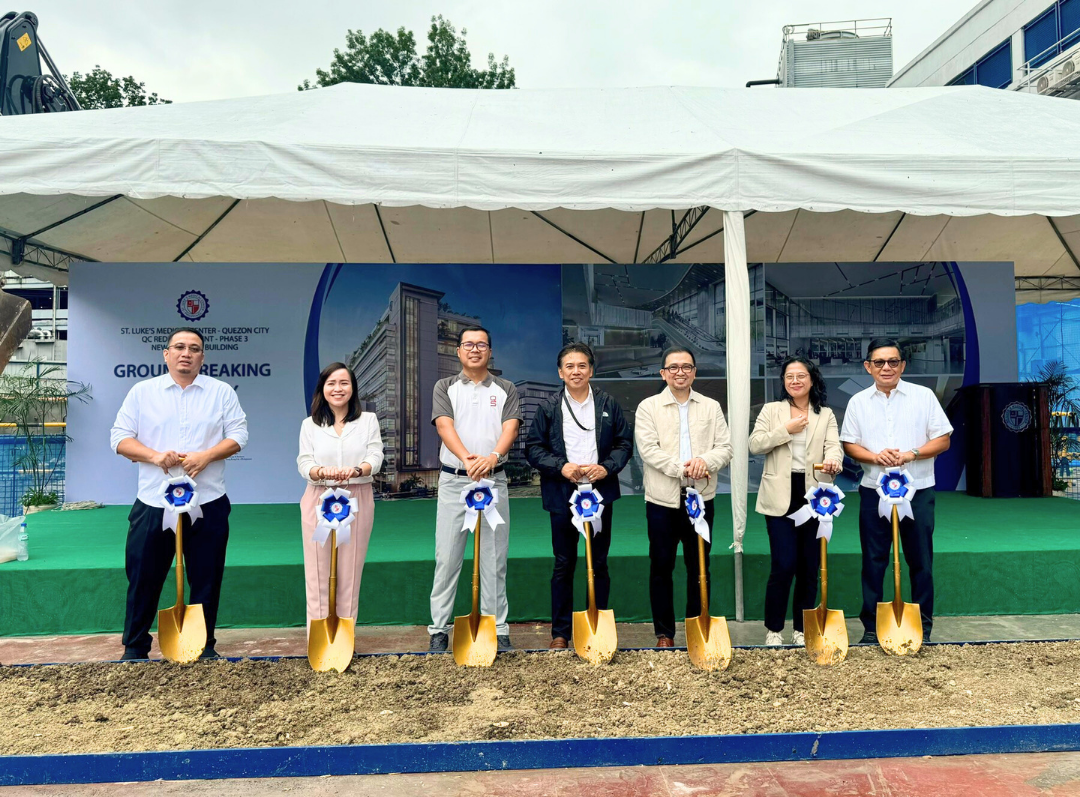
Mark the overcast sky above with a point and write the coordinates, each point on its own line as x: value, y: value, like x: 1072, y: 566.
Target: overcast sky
x: 201, y: 50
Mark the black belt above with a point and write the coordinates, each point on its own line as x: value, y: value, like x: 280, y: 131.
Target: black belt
x: 459, y: 472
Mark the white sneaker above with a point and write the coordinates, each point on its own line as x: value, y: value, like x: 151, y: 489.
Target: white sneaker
x: 773, y: 639
x: 797, y: 638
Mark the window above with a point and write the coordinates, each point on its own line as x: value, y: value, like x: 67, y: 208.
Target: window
x: 1052, y: 32
x: 993, y: 70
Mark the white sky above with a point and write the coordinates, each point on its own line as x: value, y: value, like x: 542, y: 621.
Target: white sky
x: 198, y: 50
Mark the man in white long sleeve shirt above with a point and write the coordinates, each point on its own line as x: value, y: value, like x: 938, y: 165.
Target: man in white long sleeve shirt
x: 179, y: 422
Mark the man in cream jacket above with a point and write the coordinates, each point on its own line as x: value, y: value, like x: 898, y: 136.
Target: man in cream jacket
x: 683, y: 441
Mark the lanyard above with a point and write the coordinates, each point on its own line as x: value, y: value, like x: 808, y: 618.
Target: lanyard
x: 566, y: 403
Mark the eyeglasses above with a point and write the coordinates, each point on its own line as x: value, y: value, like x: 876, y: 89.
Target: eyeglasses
x: 180, y: 348
x: 470, y: 345
x: 796, y: 377
x: 879, y: 364
x: 682, y: 368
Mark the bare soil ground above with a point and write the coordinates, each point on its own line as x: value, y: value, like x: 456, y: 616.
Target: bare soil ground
x: 409, y: 698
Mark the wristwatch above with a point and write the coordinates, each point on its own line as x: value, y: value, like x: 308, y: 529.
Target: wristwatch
x: 358, y: 471
x: 915, y: 451
x: 500, y: 459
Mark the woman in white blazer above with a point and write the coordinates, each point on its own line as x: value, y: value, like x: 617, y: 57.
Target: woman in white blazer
x: 340, y: 446
x: 794, y: 433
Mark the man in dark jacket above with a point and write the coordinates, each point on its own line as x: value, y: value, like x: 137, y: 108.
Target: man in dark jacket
x: 578, y: 435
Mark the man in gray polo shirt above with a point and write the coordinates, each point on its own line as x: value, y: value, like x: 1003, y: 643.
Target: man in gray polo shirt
x: 477, y: 416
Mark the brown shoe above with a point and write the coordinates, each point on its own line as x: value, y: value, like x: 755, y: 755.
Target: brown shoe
x: 665, y: 642
x: 558, y: 643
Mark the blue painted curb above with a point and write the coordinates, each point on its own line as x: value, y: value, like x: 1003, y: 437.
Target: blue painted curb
x: 539, y: 754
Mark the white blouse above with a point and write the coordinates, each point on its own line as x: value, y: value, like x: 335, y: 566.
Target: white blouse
x: 359, y: 442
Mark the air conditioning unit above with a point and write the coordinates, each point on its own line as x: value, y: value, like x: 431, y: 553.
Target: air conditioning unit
x: 1066, y: 73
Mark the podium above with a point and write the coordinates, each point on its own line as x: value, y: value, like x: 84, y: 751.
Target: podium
x: 1008, y: 439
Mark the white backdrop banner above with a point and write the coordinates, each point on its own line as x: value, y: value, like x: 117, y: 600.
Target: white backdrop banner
x: 254, y: 317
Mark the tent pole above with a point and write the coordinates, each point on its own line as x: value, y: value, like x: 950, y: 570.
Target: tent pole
x: 737, y: 319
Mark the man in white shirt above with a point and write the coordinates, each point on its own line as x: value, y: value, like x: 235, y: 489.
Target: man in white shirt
x: 477, y: 415
x: 683, y: 440
x: 895, y: 424
x: 179, y: 422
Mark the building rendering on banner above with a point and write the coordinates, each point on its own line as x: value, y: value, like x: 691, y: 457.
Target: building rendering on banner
x: 410, y: 348
x: 1024, y: 45
x: 532, y: 395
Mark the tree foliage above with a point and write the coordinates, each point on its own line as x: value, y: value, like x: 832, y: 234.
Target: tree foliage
x: 390, y: 59
x: 99, y: 89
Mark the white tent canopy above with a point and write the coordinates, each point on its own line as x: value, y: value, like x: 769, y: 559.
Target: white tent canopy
x: 378, y: 174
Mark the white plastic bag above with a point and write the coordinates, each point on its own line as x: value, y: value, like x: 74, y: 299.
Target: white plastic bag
x: 9, y: 536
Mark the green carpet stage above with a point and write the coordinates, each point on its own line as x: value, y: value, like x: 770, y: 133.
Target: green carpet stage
x: 992, y: 556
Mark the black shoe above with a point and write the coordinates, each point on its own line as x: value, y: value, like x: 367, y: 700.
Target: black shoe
x: 504, y: 643
x: 868, y: 638
x: 131, y: 654
x: 209, y: 653
x: 438, y: 643
x: 925, y: 637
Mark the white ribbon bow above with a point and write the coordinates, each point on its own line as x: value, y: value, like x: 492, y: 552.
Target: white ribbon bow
x: 343, y: 511
x: 699, y: 524
x: 576, y: 509
x: 178, y: 486
x: 890, y: 495
x: 817, y: 504
x: 489, y: 510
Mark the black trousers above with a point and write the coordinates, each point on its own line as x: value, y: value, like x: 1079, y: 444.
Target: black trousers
x: 917, y: 541
x: 667, y: 528
x: 564, y: 544
x: 150, y: 554
x: 795, y: 553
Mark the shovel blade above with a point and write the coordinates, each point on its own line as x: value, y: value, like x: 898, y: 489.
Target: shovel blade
x: 709, y: 646
x: 599, y: 645
x: 331, y: 644
x: 479, y: 650
x: 826, y: 644
x: 903, y: 638
x: 182, y: 633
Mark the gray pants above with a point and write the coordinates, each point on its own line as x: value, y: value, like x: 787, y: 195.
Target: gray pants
x: 450, y: 544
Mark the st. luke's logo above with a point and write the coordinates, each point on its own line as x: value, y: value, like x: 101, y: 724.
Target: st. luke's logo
x: 192, y: 305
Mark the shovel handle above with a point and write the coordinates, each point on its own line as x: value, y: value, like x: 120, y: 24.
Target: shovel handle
x: 589, y: 575
x: 898, y: 603
x: 474, y: 615
x: 703, y: 582
x: 332, y: 596
x: 180, y: 560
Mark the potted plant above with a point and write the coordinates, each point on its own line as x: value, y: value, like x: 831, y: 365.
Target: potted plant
x: 34, y: 401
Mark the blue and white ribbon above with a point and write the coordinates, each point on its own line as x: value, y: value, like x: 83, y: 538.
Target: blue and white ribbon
x: 586, y: 506
x: 895, y: 488
x: 335, y: 511
x: 179, y: 495
x: 695, y: 510
x: 824, y: 503
x: 480, y: 496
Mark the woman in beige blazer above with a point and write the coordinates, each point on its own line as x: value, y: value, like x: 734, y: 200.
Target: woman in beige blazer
x: 794, y: 433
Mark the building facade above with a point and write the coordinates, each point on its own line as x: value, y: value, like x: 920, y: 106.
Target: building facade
x: 1023, y: 45
x: 410, y: 348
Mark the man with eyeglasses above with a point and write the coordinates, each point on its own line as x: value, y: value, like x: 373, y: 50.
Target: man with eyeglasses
x: 683, y: 440
x: 578, y: 435
x: 181, y: 421
x: 477, y: 416
x: 895, y: 424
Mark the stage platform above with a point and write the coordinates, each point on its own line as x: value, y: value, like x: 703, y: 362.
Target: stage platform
x: 992, y: 556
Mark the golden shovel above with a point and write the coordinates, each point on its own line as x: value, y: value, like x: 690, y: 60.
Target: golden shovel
x: 824, y: 629
x: 331, y: 640
x: 475, y: 644
x: 595, y: 637
x: 181, y: 629
x: 707, y: 638
x: 899, y: 624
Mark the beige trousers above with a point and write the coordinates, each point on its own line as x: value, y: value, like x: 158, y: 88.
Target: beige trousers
x: 350, y: 564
